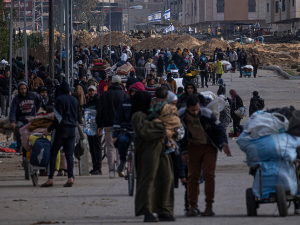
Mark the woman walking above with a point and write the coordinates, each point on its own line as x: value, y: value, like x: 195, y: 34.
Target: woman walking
x: 155, y: 181
x: 236, y: 103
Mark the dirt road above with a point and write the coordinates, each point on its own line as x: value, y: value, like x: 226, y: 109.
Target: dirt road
x: 100, y: 200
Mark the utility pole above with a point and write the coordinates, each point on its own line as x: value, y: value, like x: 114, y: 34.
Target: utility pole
x: 33, y: 15
x: 61, y: 30
x: 122, y: 28
x: 51, y: 40
x: 102, y: 29
x: 10, y: 46
x: 128, y: 20
x: 109, y: 29
x: 19, y: 13
x: 25, y: 40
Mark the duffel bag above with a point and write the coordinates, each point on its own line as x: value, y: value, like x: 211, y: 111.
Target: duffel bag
x: 40, y: 155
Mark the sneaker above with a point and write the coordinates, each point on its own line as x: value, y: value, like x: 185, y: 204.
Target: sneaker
x: 150, y: 218
x: 166, y: 217
x: 112, y: 174
x: 97, y: 172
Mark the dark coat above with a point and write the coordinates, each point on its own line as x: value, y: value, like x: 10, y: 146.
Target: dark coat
x: 4, y: 85
x: 140, y: 71
x: 130, y: 81
x: 108, y: 104
x: 214, y: 130
x: 160, y: 65
x: 236, y: 103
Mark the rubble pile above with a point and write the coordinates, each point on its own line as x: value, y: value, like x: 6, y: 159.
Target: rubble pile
x: 56, y: 38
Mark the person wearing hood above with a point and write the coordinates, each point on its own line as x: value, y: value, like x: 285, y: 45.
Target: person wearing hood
x: 189, y: 90
x: 203, y: 72
x: 140, y: 70
x: 131, y: 80
x: 108, y: 104
x: 64, y: 124
x: 26, y: 103
x: 42, y: 91
x: 154, y: 175
x: 94, y: 141
x: 172, y: 83
x: 256, y: 103
x: 160, y: 66
x: 122, y: 120
x: 102, y: 84
x: 4, y: 88
x: 222, y: 87
x: 236, y: 103
x: 34, y: 82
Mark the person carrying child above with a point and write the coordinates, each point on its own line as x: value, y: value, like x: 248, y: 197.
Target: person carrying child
x: 166, y: 113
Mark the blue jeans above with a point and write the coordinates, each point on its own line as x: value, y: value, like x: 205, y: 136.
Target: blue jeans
x: 123, y: 143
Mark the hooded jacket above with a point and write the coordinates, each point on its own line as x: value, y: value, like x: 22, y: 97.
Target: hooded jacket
x: 214, y: 130
x: 24, y: 106
x: 102, y: 85
x: 108, y: 104
x: 182, y: 99
x: 123, y: 115
x: 66, y: 108
x: 35, y: 82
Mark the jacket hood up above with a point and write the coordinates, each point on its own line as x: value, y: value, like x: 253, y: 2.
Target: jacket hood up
x: 139, y: 86
x: 22, y: 83
x: 194, y: 85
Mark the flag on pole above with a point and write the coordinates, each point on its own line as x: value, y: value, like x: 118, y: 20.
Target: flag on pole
x: 168, y: 29
x: 167, y: 14
x: 154, y: 17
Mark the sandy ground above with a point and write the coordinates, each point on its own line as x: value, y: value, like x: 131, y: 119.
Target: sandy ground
x: 100, y: 200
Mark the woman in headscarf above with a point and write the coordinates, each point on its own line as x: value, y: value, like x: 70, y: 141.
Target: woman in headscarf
x: 160, y: 66
x: 172, y: 83
x: 236, y: 103
x: 155, y: 181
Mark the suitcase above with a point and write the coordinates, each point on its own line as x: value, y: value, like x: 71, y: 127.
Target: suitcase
x: 40, y: 155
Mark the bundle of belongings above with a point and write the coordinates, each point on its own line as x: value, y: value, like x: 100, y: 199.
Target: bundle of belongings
x: 247, y: 70
x: 125, y: 69
x: 270, y: 140
x: 100, y: 65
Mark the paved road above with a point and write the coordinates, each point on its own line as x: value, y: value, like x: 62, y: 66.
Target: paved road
x: 100, y: 200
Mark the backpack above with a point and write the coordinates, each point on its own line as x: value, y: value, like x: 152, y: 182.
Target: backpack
x: 40, y: 155
x: 261, y: 103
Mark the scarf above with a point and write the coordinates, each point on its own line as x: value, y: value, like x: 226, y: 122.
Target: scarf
x: 233, y: 94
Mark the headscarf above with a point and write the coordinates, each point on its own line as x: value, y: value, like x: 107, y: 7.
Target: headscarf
x: 140, y: 102
x: 233, y: 94
x: 171, y: 97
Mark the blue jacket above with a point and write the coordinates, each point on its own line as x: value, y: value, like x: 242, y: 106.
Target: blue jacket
x: 171, y: 67
x: 213, y: 129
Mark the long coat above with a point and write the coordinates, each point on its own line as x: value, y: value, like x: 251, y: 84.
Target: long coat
x: 155, y: 181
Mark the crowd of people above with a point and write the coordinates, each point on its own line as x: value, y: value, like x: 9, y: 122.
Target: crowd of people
x: 150, y: 104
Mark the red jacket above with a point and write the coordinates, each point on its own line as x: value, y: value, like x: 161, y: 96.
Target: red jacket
x: 101, y: 86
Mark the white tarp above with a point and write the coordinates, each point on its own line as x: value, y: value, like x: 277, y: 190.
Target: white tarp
x: 154, y: 17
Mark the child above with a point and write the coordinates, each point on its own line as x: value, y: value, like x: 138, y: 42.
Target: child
x: 163, y: 112
x: 179, y: 91
x: 186, y: 69
x: 219, y: 69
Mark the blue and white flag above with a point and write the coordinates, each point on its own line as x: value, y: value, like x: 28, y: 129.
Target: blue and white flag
x: 170, y: 28
x: 167, y: 14
x: 154, y: 17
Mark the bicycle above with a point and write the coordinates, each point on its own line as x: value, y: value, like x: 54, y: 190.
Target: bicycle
x: 130, y: 169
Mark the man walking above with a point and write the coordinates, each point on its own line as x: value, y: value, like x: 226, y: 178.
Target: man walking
x: 107, y: 106
x: 254, y: 61
x: 4, y: 88
x: 233, y: 57
x: 242, y: 60
x: 204, y: 136
x: 64, y: 124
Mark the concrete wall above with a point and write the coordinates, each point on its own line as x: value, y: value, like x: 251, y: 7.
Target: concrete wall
x: 133, y: 15
x: 234, y: 11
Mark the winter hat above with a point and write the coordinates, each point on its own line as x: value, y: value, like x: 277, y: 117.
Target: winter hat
x: 92, y: 87
x: 116, y: 79
x: 41, y: 89
x: 64, y: 88
x: 171, y: 97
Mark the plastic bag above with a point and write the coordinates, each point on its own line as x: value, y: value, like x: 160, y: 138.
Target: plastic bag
x: 209, y: 94
x: 89, y: 123
x: 216, y: 106
x: 274, y: 154
x: 293, y: 116
x: 262, y: 123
